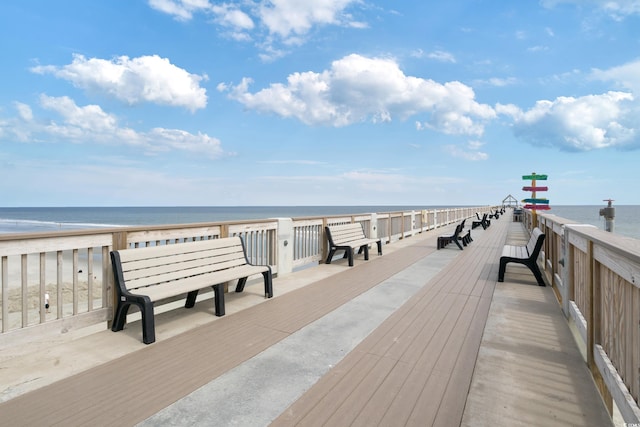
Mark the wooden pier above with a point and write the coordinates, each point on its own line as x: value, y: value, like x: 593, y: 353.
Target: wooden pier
x: 447, y: 345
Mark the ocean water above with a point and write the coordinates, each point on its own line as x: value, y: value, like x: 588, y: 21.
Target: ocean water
x: 626, y: 223
x: 25, y: 220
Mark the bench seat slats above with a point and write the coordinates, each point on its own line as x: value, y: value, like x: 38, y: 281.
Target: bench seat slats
x: 169, y: 289
x: 515, y: 251
x: 155, y: 278
x: 147, y: 275
x: 174, y: 270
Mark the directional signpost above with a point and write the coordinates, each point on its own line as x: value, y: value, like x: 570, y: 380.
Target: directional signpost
x: 535, y: 203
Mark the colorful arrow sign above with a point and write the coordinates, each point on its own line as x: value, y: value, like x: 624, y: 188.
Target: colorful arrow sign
x: 535, y: 188
x: 537, y: 207
x: 536, y: 177
x: 542, y: 201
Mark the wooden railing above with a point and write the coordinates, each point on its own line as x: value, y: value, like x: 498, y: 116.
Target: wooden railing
x: 57, y: 282
x: 596, y: 278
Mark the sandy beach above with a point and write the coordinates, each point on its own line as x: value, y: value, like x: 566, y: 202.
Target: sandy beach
x: 56, y: 289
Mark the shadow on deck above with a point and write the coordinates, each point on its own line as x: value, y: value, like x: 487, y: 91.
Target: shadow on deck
x: 397, y: 340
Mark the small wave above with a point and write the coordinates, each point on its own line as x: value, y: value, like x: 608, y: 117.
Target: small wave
x: 9, y: 224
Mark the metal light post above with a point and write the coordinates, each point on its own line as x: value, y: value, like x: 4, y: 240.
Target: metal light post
x: 609, y: 214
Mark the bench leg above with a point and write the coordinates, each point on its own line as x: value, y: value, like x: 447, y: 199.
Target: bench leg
x: 191, y: 299
x: 240, y: 285
x: 146, y: 310
x: 148, y: 323
x: 268, y: 284
x: 503, y: 266
x: 458, y: 243
x: 120, y: 316
x: 349, y: 254
x: 218, y: 293
x: 332, y: 252
x: 379, y: 243
x: 366, y: 252
x: 533, y: 266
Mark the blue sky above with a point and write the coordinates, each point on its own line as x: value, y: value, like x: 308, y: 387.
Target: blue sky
x: 325, y: 102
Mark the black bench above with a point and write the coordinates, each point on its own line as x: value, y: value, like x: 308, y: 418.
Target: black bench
x: 460, y: 234
x: 484, y: 222
x: 146, y: 275
x: 348, y: 237
x: 527, y: 255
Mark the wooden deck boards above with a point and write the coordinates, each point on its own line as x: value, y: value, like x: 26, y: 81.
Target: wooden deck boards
x: 158, y: 375
x: 416, y: 368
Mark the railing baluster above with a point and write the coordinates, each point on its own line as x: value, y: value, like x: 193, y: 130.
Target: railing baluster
x: 41, y: 299
x: 25, y: 286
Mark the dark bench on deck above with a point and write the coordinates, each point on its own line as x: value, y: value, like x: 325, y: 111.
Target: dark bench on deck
x: 146, y: 275
x: 349, y: 237
x: 460, y: 234
x: 526, y: 255
x: 484, y: 222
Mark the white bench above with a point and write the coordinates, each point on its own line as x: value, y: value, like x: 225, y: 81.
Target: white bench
x: 349, y: 237
x: 147, y: 275
x: 526, y: 255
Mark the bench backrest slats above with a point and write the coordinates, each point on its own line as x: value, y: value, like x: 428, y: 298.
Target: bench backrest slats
x: 194, y: 258
x: 534, y: 242
x: 346, y: 233
x: 158, y: 264
x: 173, y: 271
x: 141, y: 253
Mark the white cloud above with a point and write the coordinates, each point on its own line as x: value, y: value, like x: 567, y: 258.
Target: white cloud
x: 497, y: 81
x: 357, y: 89
x: 626, y: 76
x: 442, y: 56
x: 232, y: 16
x: 182, y: 10
x: 272, y: 22
x: 91, y: 124
x: 616, y: 9
x: 538, y: 48
x: 287, y: 17
x: 134, y: 80
x: 471, y: 152
x: 578, y: 124
x: 24, y: 111
x: 588, y: 122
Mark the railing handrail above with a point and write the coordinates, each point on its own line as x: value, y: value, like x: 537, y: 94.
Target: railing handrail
x: 70, y: 269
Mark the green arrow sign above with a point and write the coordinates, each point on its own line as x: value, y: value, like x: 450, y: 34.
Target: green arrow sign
x: 539, y: 177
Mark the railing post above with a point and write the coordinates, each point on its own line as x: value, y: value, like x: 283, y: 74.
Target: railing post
x: 566, y: 273
x: 373, y: 226
x: 593, y: 327
x: 413, y: 223
x: 285, y: 245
